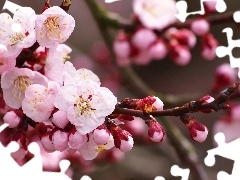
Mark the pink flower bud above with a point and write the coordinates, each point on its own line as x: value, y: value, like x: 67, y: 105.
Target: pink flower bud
x: 200, y: 27
x: 122, y: 139
x: 101, y: 136
x: 224, y: 76
x: 76, y: 140
x: 209, y: 45
x: 60, y: 140
x: 150, y: 104
x: 143, y: 38
x: 135, y: 127
x: 47, y: 144
x: 122, y: 48
x: 198, y: 131
x: 12, y: 119
x: 185, y: 37
x: 158, y: 50
x: 60, y: 119
x: 210, y: 6
x: 155, y: 130
x: 180, y: 54
x: 158, y: 104
x: 207, y: 99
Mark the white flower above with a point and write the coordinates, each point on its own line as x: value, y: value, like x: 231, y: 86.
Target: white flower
x: 54, y: 26
x: 73, y: 76
x: 87, y: 105
x: 19, y: 32
x: 155, y: 14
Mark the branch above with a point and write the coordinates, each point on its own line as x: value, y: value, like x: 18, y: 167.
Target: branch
x: 116, y: 21
x: 192, y: 106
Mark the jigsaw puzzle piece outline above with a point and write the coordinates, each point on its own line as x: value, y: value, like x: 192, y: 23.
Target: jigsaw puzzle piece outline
x: 226, y: 150
x: 177, y: 171
x: 182, y: 9
x: 222, y: 51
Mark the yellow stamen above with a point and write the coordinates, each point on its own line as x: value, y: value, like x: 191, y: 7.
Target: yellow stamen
x: 101, y: 148
x: 52, y: 26
x: 20, y: 86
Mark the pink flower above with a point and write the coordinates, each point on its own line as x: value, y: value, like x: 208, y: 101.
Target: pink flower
x: 47, y: 144
x: 87, y: 105
x: 90, y: 150
x: 200, y: 27
x: 38, y: 101
x: 143, y: 38
x: 77, y: 140
x: 209, y: 45
x: 155, y: 14
x: 101, y: 135
x: 5, y: 62
x: 158, y: 50
x: 12, y: 118
x: 14, y: 83
x: 60, y: 140
x: 54, y: 26
x: 19, y: 32
x: 60, y: 119
x: 180, y: 54
x: 55, y: 62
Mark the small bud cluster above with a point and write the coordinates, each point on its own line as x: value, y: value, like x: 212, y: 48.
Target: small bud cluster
x: 152, y: 39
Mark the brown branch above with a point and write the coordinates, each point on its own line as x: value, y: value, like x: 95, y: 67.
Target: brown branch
x: 192, y: 106
x: 115, y: 21
x: 213, y: 19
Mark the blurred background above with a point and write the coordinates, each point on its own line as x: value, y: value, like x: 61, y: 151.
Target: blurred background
x: 145, y: 162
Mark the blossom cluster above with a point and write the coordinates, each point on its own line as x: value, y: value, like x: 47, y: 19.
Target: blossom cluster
x: 154, y: 36
x: 67, y: 107
x: 62, y: 103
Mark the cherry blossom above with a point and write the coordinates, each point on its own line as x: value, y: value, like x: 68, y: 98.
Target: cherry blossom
x: 91, y: 149
x: 38, y: 101
x: 73, y: 76
x: 19, y: 32
x: 5, y: 62
x: 87, y: 105
x: 12, y: 118
x: 155, y: 14
x: 54, y: 26
x: 14, y: 83
x: 55, y: 62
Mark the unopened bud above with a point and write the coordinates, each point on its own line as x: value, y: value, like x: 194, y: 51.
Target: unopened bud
x: 122, y: 139
x: 198, y: 131
x: 155, y: 130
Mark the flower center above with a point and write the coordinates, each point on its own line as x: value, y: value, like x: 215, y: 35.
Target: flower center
x: 101, y: 148
x: 151, y: 8
x: 14, y: 39
x: 83, y: 106
x: 52, y: 25
x: 20, y: 85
